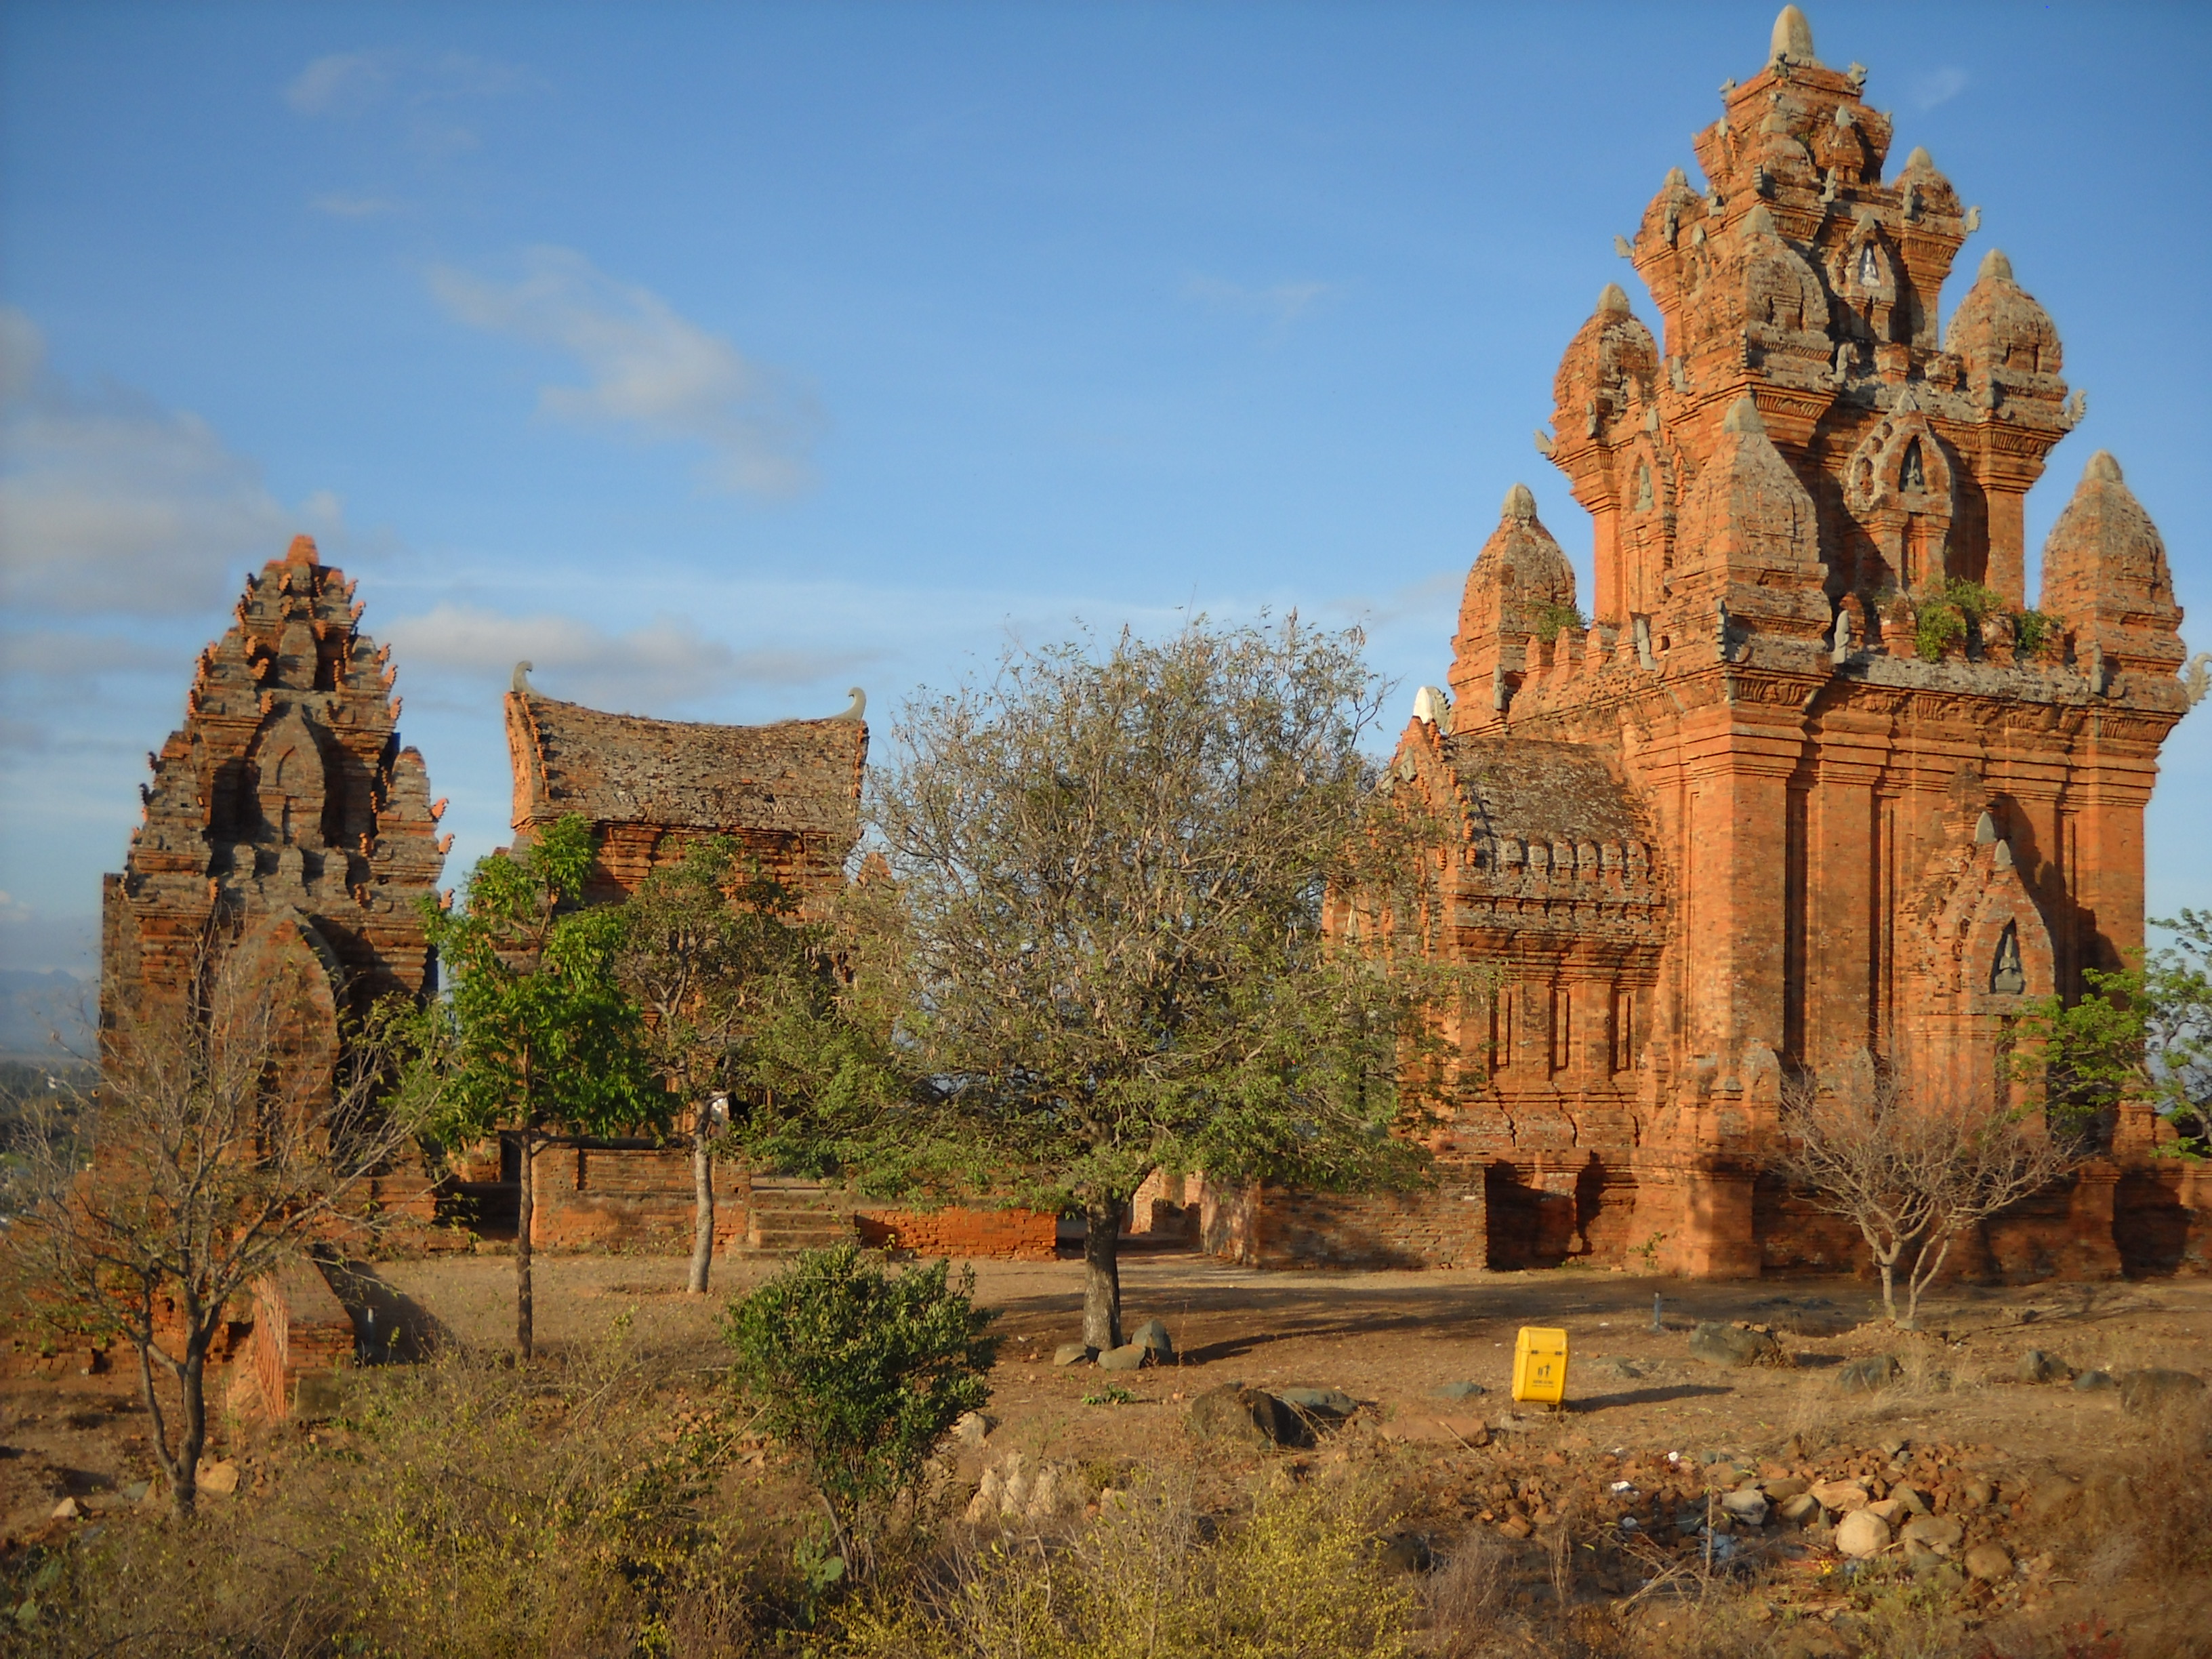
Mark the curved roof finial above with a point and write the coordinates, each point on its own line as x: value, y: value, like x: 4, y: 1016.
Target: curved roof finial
x: 859, y: 711
x: 1793, y: 37
x: 521, y: 681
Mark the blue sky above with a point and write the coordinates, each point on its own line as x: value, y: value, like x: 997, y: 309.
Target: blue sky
x: 717, y: 358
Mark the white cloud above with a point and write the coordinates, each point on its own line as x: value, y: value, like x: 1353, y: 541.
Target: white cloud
x: 110, y: 502
x: 1283, y: 302
x: 343, y: 83
x: 650, y: 371
x: 1937, y: 87
x: 664, y: 663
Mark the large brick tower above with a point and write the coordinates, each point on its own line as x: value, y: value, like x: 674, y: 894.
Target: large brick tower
x: 1816, y: 782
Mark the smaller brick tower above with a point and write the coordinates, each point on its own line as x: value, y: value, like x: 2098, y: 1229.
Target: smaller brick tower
x: 283, y: 811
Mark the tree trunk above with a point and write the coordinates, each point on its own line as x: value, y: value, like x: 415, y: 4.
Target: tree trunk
x: 703, y: 1212
x: 185, y: 1489
x: 525, y: 1214
x: 1888, y: 1264
x: 1102, y: 1274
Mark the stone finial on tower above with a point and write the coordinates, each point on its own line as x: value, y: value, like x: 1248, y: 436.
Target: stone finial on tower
x: 1792, y: 41
x: 2104, y: 571
x: 1520, y: 583
x: 302, y: 551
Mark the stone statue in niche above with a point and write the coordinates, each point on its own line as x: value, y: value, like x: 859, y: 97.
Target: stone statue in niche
x: 2006, y: 977
x: 1914, y: 474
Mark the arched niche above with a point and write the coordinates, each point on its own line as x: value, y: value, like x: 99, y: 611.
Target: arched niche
x: 1900, y: 484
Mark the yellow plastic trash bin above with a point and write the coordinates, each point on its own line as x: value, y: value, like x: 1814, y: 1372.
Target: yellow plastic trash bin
x: 1540, y: 1367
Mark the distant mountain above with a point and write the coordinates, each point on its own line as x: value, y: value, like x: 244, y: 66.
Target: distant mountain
x: 33, y: 1007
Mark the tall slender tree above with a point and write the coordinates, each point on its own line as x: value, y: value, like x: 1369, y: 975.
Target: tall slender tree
x: 730, y: 976
x: 541, y: 1041
x: 1111, y: 870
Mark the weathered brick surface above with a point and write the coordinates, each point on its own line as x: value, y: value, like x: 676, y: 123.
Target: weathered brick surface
x: 1275, y: 1227
x: 1004, y: 1234
x: 300, y: 1328
x: 285, y: 803
x: 615, y: 1196
x: 1764, y: 815
x: 790, y: 793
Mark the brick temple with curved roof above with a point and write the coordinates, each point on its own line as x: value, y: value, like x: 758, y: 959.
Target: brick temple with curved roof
x: 1818, y: 781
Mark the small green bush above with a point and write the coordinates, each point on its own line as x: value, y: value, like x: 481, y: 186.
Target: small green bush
x: 1552, y: 615
x: 861, y: 1372
x: 1937, y: 625
x: 2031, y: 630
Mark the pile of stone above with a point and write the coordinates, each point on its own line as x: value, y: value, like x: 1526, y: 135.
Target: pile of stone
x: 1149, y: 1345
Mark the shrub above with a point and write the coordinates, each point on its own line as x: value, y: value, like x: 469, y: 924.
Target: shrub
x: 2031, y: 631
x: 861, y: 1372
x: 1937, y: 625
x: 1552, y: 615
x: 1299, y: 1577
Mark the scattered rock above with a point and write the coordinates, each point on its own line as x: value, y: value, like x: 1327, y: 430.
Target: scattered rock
x: 1978, y: 1494
x: 2037, y: 1366
x: 1936, y: 1532
x: 1788, y: 1485
x: 1861, y: 1533
x: 1073, y: 1353
x: 1459, y: 1391
x: 2053, y: 1500
x: 1735, y: 1345
x: 1801, y: 1510
x: 1516, y: 1527
x: 1991, y: 1563
x: 1843, y: 1496
x: 221, y: 1478
x: 1870, y: 1375
x: 1152, y: 1334
x: 1245, y: 1416
x: 2142, y: 1394
x: 973, y: 1428
x: 1126, y: 1357
x: 1408, y: 1552
x: 2094, y: 1382
x: 1888, y: 1511
x: 1327, y: 1402
x: 67, y: 1509
x: 1748, y: 1504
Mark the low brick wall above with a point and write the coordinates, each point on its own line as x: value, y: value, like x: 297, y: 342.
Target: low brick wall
x: 604, y: 1197
x: 1446, y: 1226
x: 299, y: 1329
x: 999, y: 1235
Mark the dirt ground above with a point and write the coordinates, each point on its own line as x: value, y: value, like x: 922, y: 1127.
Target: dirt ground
x: 1392, y: 1340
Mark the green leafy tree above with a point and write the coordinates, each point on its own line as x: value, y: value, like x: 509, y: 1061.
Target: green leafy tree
x: 740, y: 994
x: 2142, y: 1033
x: 541, y: 1041
x: 1112, y: 871
x: 862, y: 1371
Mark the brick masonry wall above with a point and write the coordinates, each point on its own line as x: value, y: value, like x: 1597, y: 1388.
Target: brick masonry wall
x: 998, y: 1235
x: 299, y: 1328
x: 609, y: 1197
x: 1447, y: 1227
